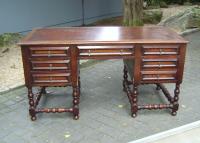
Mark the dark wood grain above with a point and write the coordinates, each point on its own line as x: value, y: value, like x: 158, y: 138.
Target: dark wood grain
x: 102, y: 36
x: 51, y: 58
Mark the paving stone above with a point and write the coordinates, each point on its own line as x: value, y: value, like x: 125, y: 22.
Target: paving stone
x: 13, y: 138
x: 38, y: 139
x: 86, y: 141
x: 3, y: 98
x: 9, y: 102
x: 30, y: 136
x: 53, y: 136
x: 91, y: 123
x: 2, y: 106
x: 4, y: 133
x: 101, y: 138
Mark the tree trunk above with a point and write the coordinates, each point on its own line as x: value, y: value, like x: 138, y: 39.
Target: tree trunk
x: 133, y: 12
x: 181, y: 2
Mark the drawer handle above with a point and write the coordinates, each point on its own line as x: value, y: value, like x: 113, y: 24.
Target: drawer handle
x: 121, y: 52
x: 159, y: 65
x: 50, y: 78
x: 89, y: 53
x: 161, y: 51
x: 50, y: 67
x: 49, y: 53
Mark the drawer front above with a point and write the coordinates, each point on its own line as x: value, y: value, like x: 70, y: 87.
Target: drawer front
x: 106, y: 51
x: 50, y: 65
x: 49, y: 52
x: 48, y: 78
x: 159, y: 63
x: 158, y: 76
x: 156, y: 50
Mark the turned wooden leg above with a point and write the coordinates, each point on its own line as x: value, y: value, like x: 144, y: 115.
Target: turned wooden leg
x: 157, y: 86
x: 31, y: 105
x: 76, y: 96
x: 38, y: 96
x: 134, y: 96
x: 43, y: 90
x: 79, y: 82
x: 175, y: 101
x: 125, y: 76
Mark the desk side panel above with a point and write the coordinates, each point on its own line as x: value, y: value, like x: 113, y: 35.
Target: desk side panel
x: 27, y: 65
x: 181, y: 63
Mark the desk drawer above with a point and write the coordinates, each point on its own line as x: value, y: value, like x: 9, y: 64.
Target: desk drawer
x: 106, y: 51
x: 49, y: 64
x: 159, y: 65
x: 49, y: 51
x: 155, y: 50
x: 159, y: 70
x: 48, y: 78
x: 157, y: 77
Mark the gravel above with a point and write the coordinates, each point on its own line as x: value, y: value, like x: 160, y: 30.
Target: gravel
x: 11, y: 69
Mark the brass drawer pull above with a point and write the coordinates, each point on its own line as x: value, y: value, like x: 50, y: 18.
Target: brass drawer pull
x: 50, y: 67
x: 161, y: 51
x: 89, y: 52
x: 49, y: 53
x: 159, y: 65
x: 121, y: 52
x: 50, y: 78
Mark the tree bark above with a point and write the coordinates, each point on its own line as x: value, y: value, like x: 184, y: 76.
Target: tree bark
x: 181, y: 2
x: 133, y: 12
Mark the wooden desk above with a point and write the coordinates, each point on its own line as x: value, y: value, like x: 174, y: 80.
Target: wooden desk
x: 51, y: 58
